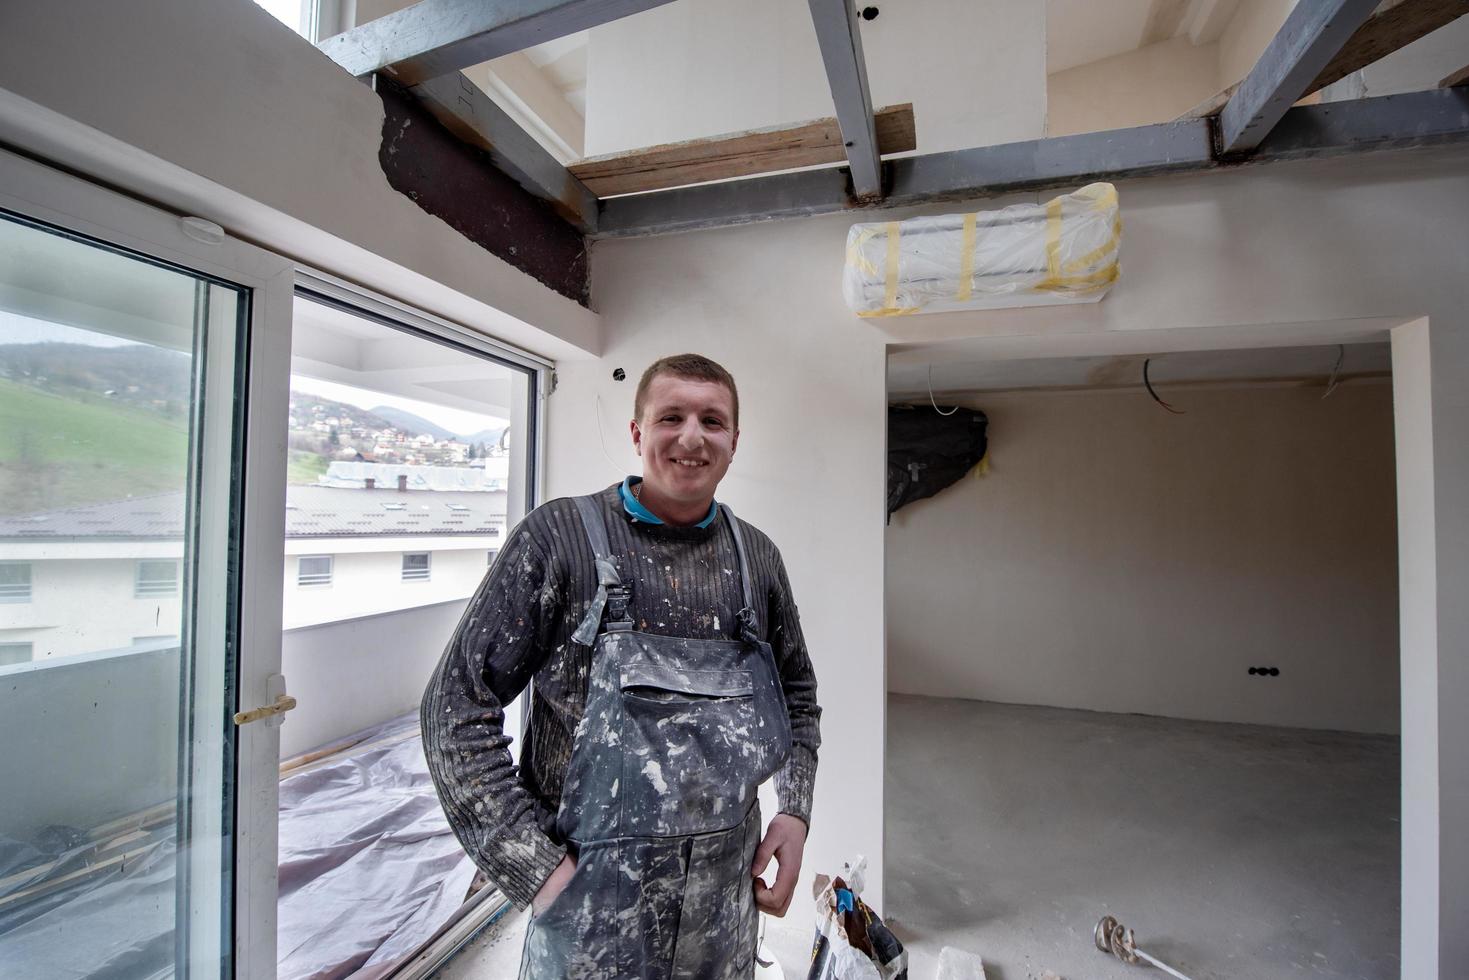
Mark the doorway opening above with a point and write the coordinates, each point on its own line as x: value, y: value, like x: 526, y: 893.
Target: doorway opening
x: 1150, y: 649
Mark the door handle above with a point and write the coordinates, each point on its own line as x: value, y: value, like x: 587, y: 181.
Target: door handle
x: 282, y: 704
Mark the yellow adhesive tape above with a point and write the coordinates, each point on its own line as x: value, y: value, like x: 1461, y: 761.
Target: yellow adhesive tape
x: 890, y: 295
x: 856, y: 256
x: 966, y: 259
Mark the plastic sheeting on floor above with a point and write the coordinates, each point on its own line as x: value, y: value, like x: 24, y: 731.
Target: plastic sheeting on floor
x: 369, y: 871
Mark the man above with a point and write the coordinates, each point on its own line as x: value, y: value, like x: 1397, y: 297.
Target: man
x: 668, y: 678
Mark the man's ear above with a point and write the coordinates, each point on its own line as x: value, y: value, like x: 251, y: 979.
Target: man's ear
x: 734, y: 443
x: 637, y: 436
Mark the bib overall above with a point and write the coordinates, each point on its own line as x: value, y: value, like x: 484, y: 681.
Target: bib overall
x: 659, y: 803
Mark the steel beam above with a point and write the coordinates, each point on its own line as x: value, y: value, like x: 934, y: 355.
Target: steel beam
x: 436, y: 37
x: 1311, y: 36
x: 470, y: 114
x: 840, y: 38
x: 1389, y: 122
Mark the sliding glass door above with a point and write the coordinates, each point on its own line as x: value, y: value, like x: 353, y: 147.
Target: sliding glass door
x: 139, y: 541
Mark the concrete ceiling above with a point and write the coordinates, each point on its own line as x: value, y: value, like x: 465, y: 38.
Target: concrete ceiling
x: 1187, y: 367
x: 1079, y: 32
x: 564, y: 63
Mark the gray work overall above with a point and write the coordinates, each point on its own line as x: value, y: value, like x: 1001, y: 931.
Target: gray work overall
x: 659, y: 804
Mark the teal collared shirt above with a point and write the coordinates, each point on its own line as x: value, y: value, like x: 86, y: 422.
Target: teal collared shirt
x: 638, y: 512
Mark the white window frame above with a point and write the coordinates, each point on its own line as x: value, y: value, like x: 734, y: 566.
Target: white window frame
x: 411, y: 574
x: 41, y: 193
x: 315, y: 580
x: 49, y: 195
x: 154, y: 588
x: 12, y: 645
x: 11, y: 593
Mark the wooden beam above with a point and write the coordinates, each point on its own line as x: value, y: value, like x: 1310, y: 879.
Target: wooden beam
x: 1312, y: 34
x: 436, y: 37
x: 1394, y: 122
x: 759, y: 151
x: 1385, y: 32
x: 839, y: 36
x: 1458, y: 78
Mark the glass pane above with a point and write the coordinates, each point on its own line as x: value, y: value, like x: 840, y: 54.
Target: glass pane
x: 118, y: 410
x: 407, y: 465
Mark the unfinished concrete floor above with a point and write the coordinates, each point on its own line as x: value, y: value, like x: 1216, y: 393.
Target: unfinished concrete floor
x: 1237, y: 852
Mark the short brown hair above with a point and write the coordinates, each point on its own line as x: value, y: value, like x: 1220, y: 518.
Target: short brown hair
x: 691, y: 367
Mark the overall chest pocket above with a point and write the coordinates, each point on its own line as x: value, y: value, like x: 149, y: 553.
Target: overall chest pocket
x: 694, y: 749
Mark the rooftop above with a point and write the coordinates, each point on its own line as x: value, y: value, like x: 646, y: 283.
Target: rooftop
x: 311, y: 512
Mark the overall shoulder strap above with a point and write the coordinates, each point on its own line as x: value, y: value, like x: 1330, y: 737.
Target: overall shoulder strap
x: 746, y: 616
x: 611, y: 595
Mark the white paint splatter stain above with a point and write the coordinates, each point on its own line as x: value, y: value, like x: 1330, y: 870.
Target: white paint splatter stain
x: 654, y: 772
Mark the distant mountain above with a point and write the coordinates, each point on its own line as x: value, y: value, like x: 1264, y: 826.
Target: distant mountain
x: 417, y: 425
x: 490, y: 437
x: 154, y: 379
x: 306, y: 407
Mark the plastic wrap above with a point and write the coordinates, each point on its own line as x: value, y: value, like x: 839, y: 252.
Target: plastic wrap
x: 1062, y: 251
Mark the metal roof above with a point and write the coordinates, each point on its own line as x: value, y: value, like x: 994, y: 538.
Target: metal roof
x: 311, y: 512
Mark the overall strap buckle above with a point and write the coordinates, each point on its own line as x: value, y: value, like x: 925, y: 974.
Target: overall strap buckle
x: 618, y: 597
x: 612, y: 595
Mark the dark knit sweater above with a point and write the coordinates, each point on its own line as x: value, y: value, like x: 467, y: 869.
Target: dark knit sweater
x: 517, y: 631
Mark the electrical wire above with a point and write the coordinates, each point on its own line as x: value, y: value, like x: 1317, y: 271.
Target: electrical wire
x: 1335, y: 379
x: 1148, y: 384
x: 602, y: 440
x: 930, y: 396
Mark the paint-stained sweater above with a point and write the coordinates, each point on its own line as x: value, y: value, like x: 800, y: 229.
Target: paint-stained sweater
x: 517, y: 631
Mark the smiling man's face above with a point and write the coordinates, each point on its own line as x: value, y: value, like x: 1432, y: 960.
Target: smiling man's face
x: 686, y: 438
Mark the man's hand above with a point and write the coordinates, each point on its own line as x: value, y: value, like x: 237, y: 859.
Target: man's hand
x: 554, y: 885
x: 786, y: 842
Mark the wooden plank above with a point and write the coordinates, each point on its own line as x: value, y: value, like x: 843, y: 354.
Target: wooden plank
x: 1385, y: 32
x: 436, y: 37
x: 1457, y: 79
x: 759, y: 151
x: 1310, y: 37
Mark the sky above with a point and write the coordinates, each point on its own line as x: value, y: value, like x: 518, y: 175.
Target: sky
x: 456, y: 421
x: 17, y: 329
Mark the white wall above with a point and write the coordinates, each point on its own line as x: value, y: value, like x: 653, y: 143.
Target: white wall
x: 975, y: 72
x: 88, y: 739
x: 83, y: 606
x: 1157, y: 83
x: 1249, y: 33
x: 369, y: 582
x: 356, y: 673
x: 1119, y: 558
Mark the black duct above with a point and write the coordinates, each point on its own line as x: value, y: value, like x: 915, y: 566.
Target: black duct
x: 928, y: 451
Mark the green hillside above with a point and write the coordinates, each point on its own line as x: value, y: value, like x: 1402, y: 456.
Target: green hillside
x: 62, y: 451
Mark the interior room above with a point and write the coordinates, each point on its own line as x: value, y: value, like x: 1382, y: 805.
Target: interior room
x: 1149, y: 646
x: 311, y: 309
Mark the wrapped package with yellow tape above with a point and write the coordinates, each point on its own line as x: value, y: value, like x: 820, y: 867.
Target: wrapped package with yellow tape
x: 1062, y: 251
